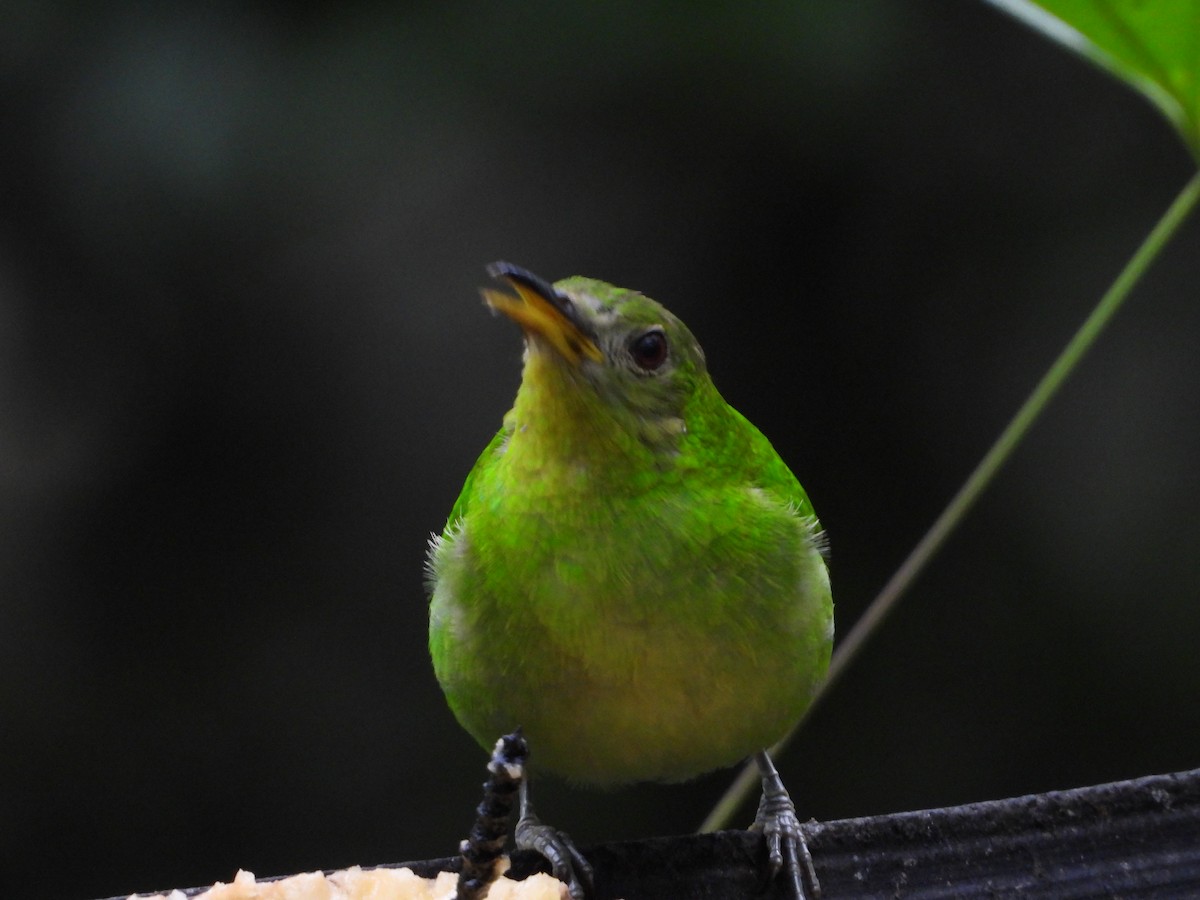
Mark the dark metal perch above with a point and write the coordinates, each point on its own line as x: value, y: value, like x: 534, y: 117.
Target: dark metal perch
x: 1129, y: 839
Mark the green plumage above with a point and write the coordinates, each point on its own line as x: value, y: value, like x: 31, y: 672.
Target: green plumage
x: 631, y: 572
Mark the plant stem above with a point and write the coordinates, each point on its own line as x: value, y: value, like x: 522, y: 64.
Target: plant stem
x: 1067, y: 361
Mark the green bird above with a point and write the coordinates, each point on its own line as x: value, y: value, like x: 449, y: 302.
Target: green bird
x: 631, y: 574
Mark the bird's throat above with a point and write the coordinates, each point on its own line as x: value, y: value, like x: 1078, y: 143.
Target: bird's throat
x: 561, y: 423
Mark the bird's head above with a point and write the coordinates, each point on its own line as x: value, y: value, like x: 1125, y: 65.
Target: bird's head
x: 602, y: 352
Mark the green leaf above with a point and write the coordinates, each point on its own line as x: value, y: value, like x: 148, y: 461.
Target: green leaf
x: 1152, y: 44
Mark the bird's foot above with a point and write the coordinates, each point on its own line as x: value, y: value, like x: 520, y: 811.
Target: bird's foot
x: 566, y: 862
x: 787, y: 850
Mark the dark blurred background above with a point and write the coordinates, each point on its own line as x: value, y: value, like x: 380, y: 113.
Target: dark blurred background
x: 244, y: 369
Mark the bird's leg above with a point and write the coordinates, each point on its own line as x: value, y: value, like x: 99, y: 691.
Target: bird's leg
x: 567, y: 863
x: 776, y: 819
x: 481, y: 850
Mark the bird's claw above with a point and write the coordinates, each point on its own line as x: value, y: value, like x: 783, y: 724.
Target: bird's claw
x: 566, y: 862
x: 787, y: 849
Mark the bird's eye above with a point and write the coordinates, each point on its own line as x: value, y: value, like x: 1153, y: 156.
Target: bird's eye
x: 649, y: 350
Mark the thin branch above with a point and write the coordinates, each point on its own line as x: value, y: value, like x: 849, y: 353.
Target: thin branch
x: 984, y: 474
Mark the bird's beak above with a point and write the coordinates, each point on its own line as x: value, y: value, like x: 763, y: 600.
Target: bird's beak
x: 544, y: 312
